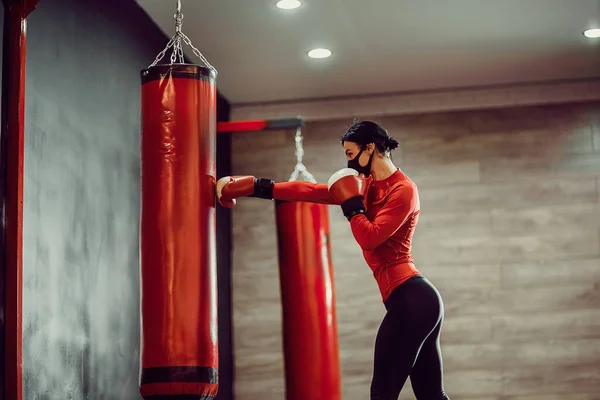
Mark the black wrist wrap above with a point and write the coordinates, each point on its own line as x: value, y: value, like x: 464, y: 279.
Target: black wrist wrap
x: 263, y: 188
x: 353, y: 206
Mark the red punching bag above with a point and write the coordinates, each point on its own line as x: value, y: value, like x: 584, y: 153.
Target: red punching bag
x: 179, y: 351
x: 312, y: 369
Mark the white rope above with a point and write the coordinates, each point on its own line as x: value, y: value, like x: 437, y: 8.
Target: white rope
x: 175, y: 43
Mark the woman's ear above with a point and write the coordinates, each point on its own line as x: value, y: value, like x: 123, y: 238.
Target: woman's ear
x: 371, y: 148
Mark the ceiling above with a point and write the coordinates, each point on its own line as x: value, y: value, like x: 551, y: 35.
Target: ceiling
x: 384, y: 46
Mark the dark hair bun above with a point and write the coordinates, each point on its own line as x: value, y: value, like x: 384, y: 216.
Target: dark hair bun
x: 365, y: 132
x: 392, y: 144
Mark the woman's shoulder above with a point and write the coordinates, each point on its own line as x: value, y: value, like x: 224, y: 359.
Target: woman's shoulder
x: 405, y: 191
x: 404, y: 188
x: 404, y: 181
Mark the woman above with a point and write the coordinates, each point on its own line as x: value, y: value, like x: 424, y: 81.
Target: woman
x: 382, y: 206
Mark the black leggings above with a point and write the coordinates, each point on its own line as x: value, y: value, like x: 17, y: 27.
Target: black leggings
x: 408, y: 343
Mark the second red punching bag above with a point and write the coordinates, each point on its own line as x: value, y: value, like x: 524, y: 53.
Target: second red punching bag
x: 312, y: 369
x: 179, y: 350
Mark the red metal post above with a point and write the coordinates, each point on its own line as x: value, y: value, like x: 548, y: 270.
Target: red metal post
x: 11, y: 167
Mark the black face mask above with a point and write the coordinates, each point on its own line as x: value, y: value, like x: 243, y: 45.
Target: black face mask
x: 354, y: 164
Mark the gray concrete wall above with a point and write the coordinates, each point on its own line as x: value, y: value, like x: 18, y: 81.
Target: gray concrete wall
x: 81, y: 198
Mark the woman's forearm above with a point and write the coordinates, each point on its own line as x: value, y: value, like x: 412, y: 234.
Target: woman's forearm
x: 303, y: 191
x: 229, y: 188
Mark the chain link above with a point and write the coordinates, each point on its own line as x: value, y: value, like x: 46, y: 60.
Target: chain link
x: 176, y: 44
x: 300, y: 172
x: 178, y: 17
x: 299, y: 148
x: 161, y: 55
x: 187, y: 41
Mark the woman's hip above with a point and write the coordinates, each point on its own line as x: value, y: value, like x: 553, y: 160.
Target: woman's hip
x: 416, y: 294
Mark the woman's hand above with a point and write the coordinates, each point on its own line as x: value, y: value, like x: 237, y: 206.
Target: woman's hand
x: 229, y: 188
x: 349, y: 189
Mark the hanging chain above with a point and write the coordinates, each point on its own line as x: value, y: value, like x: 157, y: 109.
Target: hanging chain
x: 175, y: 43
x: 300, y: 172
x: 299, y: 148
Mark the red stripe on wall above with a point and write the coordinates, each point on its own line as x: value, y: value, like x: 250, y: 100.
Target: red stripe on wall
x: 241, y: 126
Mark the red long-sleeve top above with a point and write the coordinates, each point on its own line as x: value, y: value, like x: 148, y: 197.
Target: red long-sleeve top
x: 384, y: 233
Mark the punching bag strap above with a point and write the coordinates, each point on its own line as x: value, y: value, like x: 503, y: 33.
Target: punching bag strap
x: 175, y: 43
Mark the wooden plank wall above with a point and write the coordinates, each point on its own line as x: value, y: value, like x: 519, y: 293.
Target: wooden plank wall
x: 509, y: 233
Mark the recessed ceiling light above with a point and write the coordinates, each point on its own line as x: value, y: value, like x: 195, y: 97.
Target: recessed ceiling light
x: 319, y: 53
x: 288, y: 4
x: 592, y: 33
